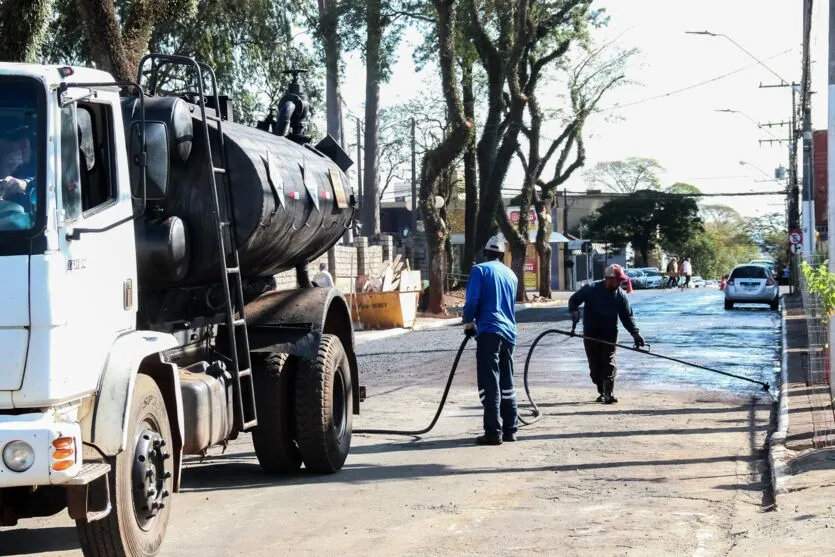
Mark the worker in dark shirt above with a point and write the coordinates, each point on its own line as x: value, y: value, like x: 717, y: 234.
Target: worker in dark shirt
x: 489, y: 315
x: 604, y: 303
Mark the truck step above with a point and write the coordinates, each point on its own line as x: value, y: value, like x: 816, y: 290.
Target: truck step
x: 239, y: 322
x: 212, y: 117
x: 250, y: 424
x: 233, y: 270
x: 89, y: 472
x: 245, y: 372
x: 219, y: 170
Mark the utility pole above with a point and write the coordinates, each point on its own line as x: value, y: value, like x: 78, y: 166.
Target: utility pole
x: 359, y: 166
x: 830, y: 164
x: 414, y: 191
x: 806, y: 114
x: 792, y: 187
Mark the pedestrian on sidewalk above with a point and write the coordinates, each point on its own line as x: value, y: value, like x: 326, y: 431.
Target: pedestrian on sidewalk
x: 489, y: 315
x: 604, y: 303
x: 686, y: 270
x: 672, y: 273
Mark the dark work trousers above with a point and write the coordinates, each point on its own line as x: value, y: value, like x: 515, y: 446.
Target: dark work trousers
x: 494, y: 361
x: 602, y: 367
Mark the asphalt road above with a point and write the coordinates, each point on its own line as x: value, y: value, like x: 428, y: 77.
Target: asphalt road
x: 676, y: 468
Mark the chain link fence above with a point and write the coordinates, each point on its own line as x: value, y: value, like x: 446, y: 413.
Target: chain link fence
x: 818, y: 376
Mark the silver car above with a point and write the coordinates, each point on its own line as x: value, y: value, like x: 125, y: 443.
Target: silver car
x: 751, y: 284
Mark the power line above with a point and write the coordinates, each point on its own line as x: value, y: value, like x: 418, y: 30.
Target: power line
x: 690, y: 87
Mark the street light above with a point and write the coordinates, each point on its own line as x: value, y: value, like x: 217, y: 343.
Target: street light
x: 732, y: 111
x: 760, y: 170
x: 740, y: 47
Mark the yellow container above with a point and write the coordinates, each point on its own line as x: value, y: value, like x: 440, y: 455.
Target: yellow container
x: 383, y: 310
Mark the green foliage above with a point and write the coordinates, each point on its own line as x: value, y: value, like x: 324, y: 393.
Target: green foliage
x: 249, y: 43
x: 23, y: 24
x: 627, y: 176
x: 647, y: 219
x: 682, y: 188
x: 821, y: 282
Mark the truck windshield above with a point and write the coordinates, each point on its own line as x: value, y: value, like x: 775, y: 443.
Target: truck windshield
x: 20, y: 149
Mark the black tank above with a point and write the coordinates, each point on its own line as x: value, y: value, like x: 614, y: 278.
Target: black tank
x: 291, y: 202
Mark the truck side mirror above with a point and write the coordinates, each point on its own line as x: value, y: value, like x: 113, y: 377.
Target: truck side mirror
x: 156, y: 160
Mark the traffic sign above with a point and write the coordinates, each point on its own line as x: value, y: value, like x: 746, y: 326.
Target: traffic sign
x: 796, y: 236
x: 796, y: 249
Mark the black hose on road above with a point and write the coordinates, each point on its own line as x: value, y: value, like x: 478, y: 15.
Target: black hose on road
x: 536, y: 413
x: 766, y: 387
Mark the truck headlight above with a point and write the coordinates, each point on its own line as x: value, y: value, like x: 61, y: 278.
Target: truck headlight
x: 18, y: 456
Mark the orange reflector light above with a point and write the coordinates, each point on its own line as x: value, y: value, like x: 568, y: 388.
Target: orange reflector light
x: 61, y: 454
x: 62, y: 465
x: 63, y: 443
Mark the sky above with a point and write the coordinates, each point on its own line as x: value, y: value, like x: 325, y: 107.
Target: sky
x: 682, y: 130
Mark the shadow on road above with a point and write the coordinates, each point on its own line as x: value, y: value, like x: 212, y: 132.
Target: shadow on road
x: 218, y: 477
x: 29, y: 541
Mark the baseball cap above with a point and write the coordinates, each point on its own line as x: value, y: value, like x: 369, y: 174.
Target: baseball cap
x: 615, y: 271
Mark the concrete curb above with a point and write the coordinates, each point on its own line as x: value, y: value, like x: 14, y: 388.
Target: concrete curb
x: 368, y: 335
x: 778, y: 455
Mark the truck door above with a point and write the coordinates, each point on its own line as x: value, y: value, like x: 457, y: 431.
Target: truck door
x: 99, y: 248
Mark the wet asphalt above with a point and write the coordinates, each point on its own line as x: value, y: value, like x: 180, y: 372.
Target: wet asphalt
x: 690, y: 325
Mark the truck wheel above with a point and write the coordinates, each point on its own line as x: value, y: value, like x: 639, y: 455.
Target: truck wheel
x: 275, y: 446
x: 775, y: 304
x: 729, y: 305
x: 324, y: 404
x: 140, y: 483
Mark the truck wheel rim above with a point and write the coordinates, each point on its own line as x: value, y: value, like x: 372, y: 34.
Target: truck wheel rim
x: 149, y: 475
x: 340, y: 417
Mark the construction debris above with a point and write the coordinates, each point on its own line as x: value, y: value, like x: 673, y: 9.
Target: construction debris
x: 396, y: 276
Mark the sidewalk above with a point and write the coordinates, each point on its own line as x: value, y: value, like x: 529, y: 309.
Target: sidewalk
x: 802, y: 450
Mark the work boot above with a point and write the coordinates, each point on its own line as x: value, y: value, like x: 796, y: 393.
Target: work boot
x: 509, y: 437
x: 610, y: 399
x: 488, y: 440
x: 599, y: 398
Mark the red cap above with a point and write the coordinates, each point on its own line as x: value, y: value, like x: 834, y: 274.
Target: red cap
x: 615, y: 271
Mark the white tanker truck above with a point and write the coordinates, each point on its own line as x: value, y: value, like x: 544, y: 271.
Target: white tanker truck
x: 139, y: 321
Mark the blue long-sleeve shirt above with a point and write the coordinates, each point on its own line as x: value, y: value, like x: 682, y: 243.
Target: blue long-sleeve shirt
x: 603, y: 308
x: 491, y: 299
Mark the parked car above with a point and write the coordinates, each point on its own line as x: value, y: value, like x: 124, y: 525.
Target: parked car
x: 751, y: 284
x: 711, y: 283
x: 697, y: 281
x: 637, y: 277
x: 765, y: 262
x: 654, y: 279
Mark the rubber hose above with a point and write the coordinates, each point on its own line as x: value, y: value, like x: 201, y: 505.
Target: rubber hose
x: 536, y: 413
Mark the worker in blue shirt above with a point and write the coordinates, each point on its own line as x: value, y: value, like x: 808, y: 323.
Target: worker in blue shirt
x: 604, y: 302
x: 489, y: 315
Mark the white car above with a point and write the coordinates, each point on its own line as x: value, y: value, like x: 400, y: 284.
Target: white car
x: 697, y: 281
x: 751, y: 284
x: 654, y: 278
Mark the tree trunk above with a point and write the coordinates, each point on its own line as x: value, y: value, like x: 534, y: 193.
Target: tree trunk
x: 328, y: 20
x: 371, y: 182
x: 517, y: 265
x: 23, y: 24
x: 105, y: 38
x: 470, y: 174
x: 436, y: 161
x: 543, y: 247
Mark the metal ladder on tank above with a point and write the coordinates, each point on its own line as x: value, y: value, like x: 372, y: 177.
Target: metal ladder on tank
x: 238, y: 337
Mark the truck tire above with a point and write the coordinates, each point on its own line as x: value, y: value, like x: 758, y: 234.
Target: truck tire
x: 324, y: 404
x: 729, y: 305
x: 140, y: 483
x: 273, y: 438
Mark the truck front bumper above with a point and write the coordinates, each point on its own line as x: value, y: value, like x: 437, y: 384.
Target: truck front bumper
x: 56, y: 445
